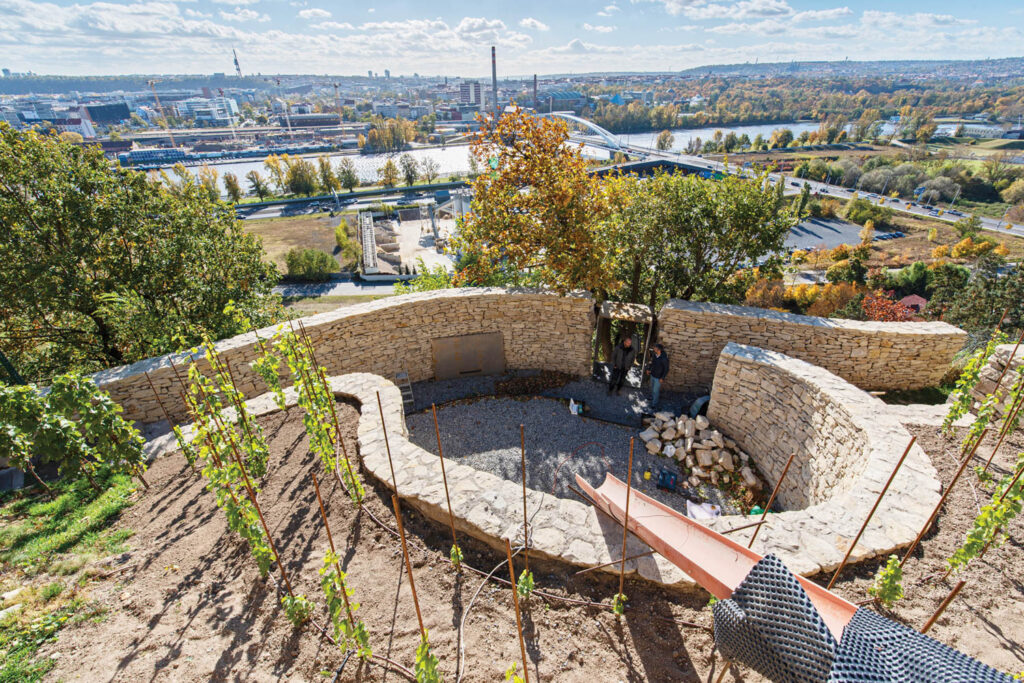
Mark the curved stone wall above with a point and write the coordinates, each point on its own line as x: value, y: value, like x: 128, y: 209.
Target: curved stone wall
x: 387, y: 336
x: 847, y: 445
x: 871, y: 355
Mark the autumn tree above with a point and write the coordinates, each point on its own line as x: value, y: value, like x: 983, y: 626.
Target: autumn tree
x: 301, y: 177
x: 208, y: 181
x: 257, y: 185
x: 878, y: 307
x: 347, y: 174
x: 328, y: 180
x: 665, y: 140
x: 430, y: 169
x: 103, y: 266
x: 388, y: 174
x: 538, y: 209
x: 410, y: 168
x: 278, y: 171
x: 232, y: 187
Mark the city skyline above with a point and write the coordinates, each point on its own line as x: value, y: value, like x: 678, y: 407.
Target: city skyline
x: 311, y: 36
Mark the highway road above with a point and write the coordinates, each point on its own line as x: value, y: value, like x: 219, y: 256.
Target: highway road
x: 794, y: 186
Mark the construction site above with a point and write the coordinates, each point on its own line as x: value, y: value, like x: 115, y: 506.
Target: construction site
x: 480, y: 487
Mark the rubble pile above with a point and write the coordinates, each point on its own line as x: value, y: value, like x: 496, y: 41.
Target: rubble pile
x: 704, y: 454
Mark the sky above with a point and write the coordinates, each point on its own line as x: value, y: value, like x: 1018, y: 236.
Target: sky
x: 454, y: 38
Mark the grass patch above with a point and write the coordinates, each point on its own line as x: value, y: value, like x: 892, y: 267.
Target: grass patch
x: 22, y: 636
x: 35, y: 530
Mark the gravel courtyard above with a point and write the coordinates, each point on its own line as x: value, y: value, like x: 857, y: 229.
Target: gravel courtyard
x: 484, y: 433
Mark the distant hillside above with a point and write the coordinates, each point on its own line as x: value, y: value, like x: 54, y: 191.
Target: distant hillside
x: 1011, y: 67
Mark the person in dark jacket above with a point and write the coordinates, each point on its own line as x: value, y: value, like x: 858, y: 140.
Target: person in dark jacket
x: 657, y: 371
x: 623, y: 356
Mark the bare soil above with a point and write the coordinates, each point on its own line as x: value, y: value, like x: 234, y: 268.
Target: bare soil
x: 188, y: 603
x: 280, y: 235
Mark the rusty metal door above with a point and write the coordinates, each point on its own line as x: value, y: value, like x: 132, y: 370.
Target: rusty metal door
x: 468, y: 354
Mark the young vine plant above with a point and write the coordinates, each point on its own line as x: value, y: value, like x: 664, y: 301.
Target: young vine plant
x: 524, y: 585
x: 426, y: 670
x: 960, y: 399
x: 619, y: 604
x: 455, y: 555
x: 887, y: 587
x: 350, y: 633
x: 511, y: 674
x: 1007, y: 502
x: 297, y: 608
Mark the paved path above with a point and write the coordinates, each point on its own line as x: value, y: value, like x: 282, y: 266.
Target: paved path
x: 336, y: 287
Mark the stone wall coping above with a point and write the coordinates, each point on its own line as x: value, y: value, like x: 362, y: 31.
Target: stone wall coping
x: 867, y: 326
x: 311, y: 322
x: 816, y: 537
x: 485, y: 506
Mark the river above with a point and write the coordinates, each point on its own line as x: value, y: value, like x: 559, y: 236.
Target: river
x: 454, y: 159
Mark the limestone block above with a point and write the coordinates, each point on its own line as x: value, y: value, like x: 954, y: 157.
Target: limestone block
x: 749, y: 480
x: 705, y: 459
x: 653, y: 446
x: 725, y: 460
x: 669, y: 451
x: 702, y: 422
x: 649, y: 434
x: 669, y: 434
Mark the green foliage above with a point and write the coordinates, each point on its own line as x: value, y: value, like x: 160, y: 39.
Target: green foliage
x: 310, y: 265
x: 861, y: 211
x: 993, y: 287
x: 410, y: 168
x: 301, y: 176
x: 317, y: 403
x: 429, y: 278
x: 888, y: 584
x: 619, y: 604
x: 119, y: 264
x: 968, y: 227
x: 297, y: 608
x: 20, y: 640
x: 960, y: 399
x: 73, y: 425
x: 511, y: 675
x: 35, y: 529
x: 426, y: 663
x: 232, y: 187
x: 347, y: 244
x: 993, y: 517
x: 350, y: 633
x: 850, y: 270
x: 524, y: 585
x: 455, y: 555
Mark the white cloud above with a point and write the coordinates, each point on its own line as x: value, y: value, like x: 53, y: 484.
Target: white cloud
x: 333, y: 26
x: 235, y: 2
x: 822, y: 14
x: 243, y: 14
x: 314, y: 13
x: 534, y: 24
x: 196, y: 14
x: 609, y: 10
x: 598, y: 28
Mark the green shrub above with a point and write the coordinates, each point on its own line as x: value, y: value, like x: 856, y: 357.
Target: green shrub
x: 348, y: 245
x: 310, y: 265
x: 861, y: 211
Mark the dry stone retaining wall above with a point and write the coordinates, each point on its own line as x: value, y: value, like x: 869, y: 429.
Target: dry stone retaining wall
x: 871, y: 355
x: 995, y: 369
x: 847, y: 445
x: 540, y: 330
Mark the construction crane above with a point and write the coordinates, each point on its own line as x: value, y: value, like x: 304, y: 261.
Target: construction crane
x: 238, y: 69
x: 160, y: 107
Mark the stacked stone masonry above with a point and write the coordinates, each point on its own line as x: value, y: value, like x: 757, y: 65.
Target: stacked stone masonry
x: 847, y: 444
x: 993, y: 370
x: 385, y: 337
x: 871, y: 355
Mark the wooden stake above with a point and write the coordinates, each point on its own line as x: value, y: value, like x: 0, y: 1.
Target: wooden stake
x: 996, y: 532
x: 330, y: 540
x: 515, y: 601
x: 608, y: 564
x: 159, y: 402
x: 625, y: 522
x: 943, y: 605
x: 522, y: 460
x: 771, y: 499
x: 444, y: 476
x: 387, y: 446
x: 871, y: 514
x: 1009, y: 416
x: 945, y: 494
x: 408, y: 564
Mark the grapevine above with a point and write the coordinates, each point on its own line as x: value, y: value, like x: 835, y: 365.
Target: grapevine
x: 960, y: 398
x: 619, y: 604
x: 349, y: 632
x: 888, y: 585
x: 455, y: 555
x: 1005, y: 506
x: 426, y: 663
x: 297, y: 608
x: 511, y: 675
x: 524, y: 586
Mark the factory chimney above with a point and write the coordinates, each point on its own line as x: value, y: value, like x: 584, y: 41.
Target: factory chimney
x: 494, y: 81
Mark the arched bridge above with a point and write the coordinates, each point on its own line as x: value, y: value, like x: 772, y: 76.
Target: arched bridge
x: 580, y: 125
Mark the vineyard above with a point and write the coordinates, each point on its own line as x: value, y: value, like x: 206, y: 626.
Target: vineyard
x: 311, y: 572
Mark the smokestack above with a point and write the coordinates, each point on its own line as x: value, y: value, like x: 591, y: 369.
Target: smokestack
x: 534, y: 91
x: 494, y: 81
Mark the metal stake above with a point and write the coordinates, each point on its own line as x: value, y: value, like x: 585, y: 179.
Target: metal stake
x: 771, y: 499
x: 625, y: 522
x: 871, y: 514
x: 943, y: 605
x: 515, y: 601
x: 526, y: 534
x: 408, y: 564
x: 444, y: 476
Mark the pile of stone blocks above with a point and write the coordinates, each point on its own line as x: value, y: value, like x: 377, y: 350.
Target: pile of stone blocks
x: 704, y: 454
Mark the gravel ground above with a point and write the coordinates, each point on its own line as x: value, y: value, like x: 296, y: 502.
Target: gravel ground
x: 484, y: 434
x: 624, y: 409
